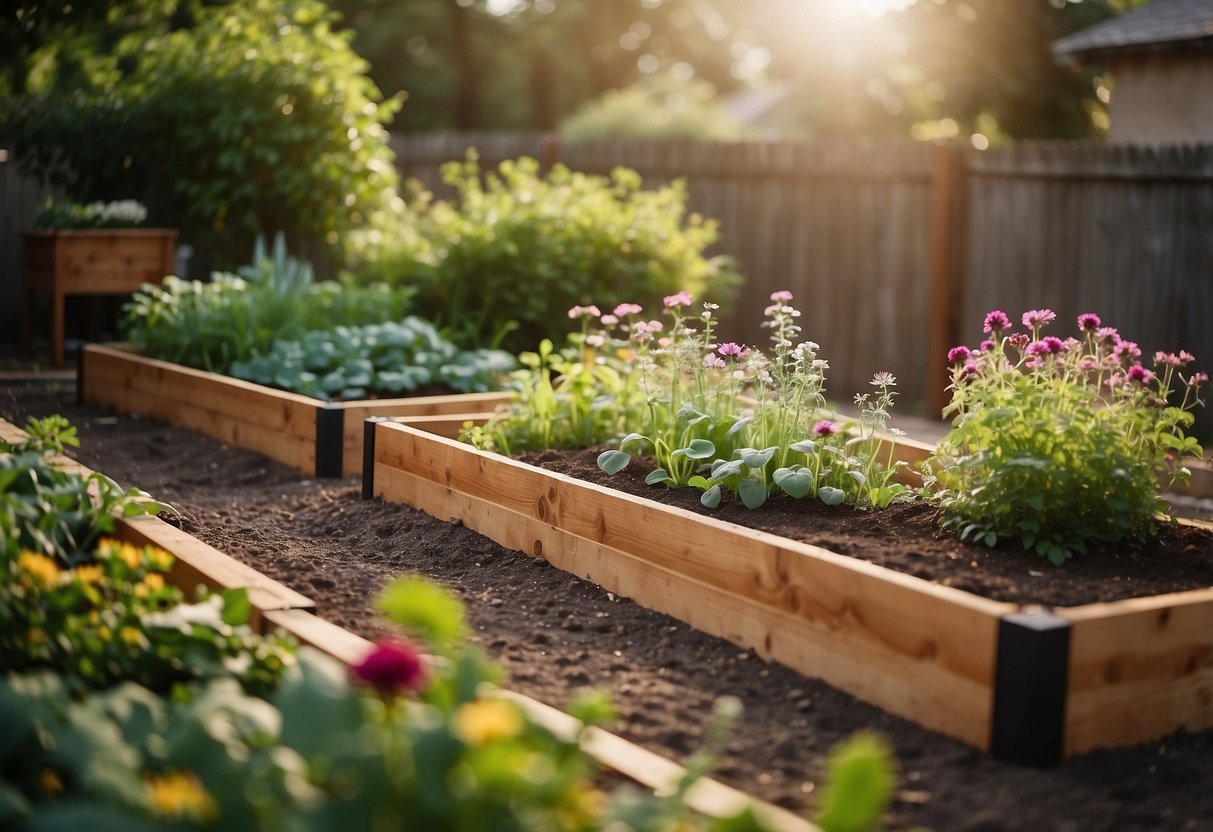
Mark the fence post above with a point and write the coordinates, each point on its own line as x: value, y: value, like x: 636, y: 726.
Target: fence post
x: 550, y: 151
x: 946, y: 228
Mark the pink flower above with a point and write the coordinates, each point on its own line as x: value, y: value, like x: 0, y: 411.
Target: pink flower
x: 713, y: 360
x: 1088, y: 322
x: 1038, y: 348
x: 1186, y: 357
x: 1019, y: 340
x: 782, y: 296
x: 625, y: 309
x: 729, y: 349
x: 609, y: 320
x: 958, y: 355
x: 825, y: 428
x: 1035, y: 318
x: 680, y: 299
x: 987, y: 345
x: 584, y: 312
x: 996, y: 320
x: 1198, y: 380
x: 1169, y: 359
x: 1125, y: 349
x: 392, y: 667
x: 1139, y: 373
x: 970, y: 369
x: 1109, y: 334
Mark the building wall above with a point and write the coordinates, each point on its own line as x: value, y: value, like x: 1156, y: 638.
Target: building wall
x: 1162, y: 98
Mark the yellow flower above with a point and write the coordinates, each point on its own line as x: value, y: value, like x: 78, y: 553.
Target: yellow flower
x: 42, y: 571
x: 132, y: 556
x: 131, y: 635
x: 180, y: 795
x: 580, y: 804
x: 104, y: 633
x: 90, y: 574
x: 158, y: 558
x: 154, y: 581
x: 49, y: 781
x: 485, y: 721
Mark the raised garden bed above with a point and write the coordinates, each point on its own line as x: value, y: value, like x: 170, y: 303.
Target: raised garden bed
x: 277, y: 607
x: 1027, y: 684
x: 317, y: 438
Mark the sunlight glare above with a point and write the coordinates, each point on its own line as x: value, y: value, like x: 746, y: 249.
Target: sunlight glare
x: 871, y: 8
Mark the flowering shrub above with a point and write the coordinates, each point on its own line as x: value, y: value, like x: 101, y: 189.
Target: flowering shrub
x: 714, y: 416
x: 403, y: 739
x: 1059, y: 442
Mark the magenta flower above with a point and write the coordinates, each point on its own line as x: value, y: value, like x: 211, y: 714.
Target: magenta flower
x: 996, y: 320
x: 958, y: 355
x: 1038, y: 348
x: 1109, y: 334
x: 729, y: 349
x: 1198, y: 380
x: 1088, y: 322
x: 825, y: 428
x: 1054, y: 344
x: 584, y: 312
x: 970, y: 369
x: 782, y: 296
x: 1139, y: 373
x: 680, y: 299
x: 1038, y: 317
x: 392, y: 667
x: 987, y: 345
x: 1169, y: 359
x: 1019, y: 340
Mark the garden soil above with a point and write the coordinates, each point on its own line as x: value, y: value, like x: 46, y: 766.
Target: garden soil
x: 555, y: 635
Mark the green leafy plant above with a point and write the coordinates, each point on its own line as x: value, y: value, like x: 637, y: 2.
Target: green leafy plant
x: 380, y: 359
x: 656, y: 107
x: 239, y: 119
x: 1058, y: 443
x: 126, y: 213
x: 46, y: 508
x: 723, y: 417
x: 503, y: 261
x: 233, y: 317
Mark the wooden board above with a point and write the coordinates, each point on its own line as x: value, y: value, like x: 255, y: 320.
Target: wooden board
x: 824, y: 614
x: 1143, y: 665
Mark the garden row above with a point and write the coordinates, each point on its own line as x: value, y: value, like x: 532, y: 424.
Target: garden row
x: 95, y: 602
x: 1025, y: 682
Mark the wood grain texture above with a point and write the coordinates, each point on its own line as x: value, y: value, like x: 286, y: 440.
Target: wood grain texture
x: 822, y: 613
x: 1139, y: 669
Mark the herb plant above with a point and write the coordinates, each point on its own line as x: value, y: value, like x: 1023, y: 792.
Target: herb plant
x: 126, y: 213
x: 381, y: 359
x: 1058, y: 443
x: 211, y: 325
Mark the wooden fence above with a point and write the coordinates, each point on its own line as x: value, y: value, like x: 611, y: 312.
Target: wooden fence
x: 21, y: 199
x: 896, y: 250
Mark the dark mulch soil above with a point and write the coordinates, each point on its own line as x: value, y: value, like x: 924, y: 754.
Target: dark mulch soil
x: 555, y: 634
x: 907, y: 537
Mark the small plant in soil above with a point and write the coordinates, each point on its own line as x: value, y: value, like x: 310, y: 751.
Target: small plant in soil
x: 1058, y: 443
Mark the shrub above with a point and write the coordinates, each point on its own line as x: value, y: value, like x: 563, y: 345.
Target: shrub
x: 258, y: 117
x: 232, y: 317
x: 126, y: 213
x: 1057, y: 443
x: 506, y: 258
x: 656, y: 107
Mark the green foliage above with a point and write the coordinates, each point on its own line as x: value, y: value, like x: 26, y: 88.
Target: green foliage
x: 860, y: 778
x: 718, y: 417
x: 381, y: 359
x: 122, y: 214
x: 424, y: 610
x: 53, y: 511
x: 232, y: 317
x: 514, y: 246
x: 322, y: 753
x: 97, y: 610
x: 655, y: 107
x: 1056, y: 444
x: 256, y: 118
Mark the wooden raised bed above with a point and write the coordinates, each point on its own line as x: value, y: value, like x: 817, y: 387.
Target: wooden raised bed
x: 1029, y: 684
x: 277, y: 607
x: 317, y: 438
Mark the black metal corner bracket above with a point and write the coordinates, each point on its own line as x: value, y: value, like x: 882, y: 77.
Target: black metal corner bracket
x: 1030, y: 688
x: 330, y: 430
x: 368, y: 455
